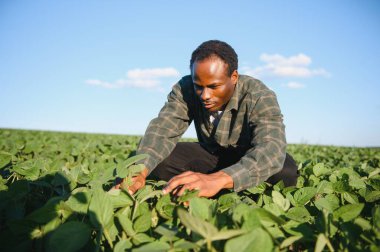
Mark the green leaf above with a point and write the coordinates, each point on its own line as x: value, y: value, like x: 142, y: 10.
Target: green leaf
x: 142, y: 209
x: 188, y: 195
x: 303, y: 195
x: 60, y: 179
x: 105, y: 174
x: 256, y: 240
x: 320, y: 170
x: 357, y: 183
x: 274, y: 209
x: 184, y: 245
x: 120, y: 198
x: 100, y: 209
x: 376, y: 216
x: 145, y: 197
x: 226, y: 201
x: 63, y: 210
x: 227, y: 234
x: 325, y: 187
x: 134, y: 159
x: 251, y: 221
x: 52, y: 225
x: 79, y: 200
x: 5, y: 159
x: 279, y: 186
x: 30, y: 169
x: 300, y: 229
x: 156, y: 246
x: 372, y: 196
x: 141, y: 238
x: 348, y: 212
x: 46, y: 213
x: 197, y: 225
x: 143, y: 223
x: 84, y: 177
x: 260, y: 189
x: 280, y: 200
x: 126, y: 224
x: 201, y: 208
x: 275, y: 232
x: 70, y: 236
x: 363, y: 223
x: 298, y: 214
x: 330, y: 203
x: 321, y: 243
x: 239, y: 211
x: 289, y: 241
x: 122, y: 246
x: 165, y: 207
x: 266, y: 216
x: 350, y: 197
x: 126, y: 168
x: 166, y: 231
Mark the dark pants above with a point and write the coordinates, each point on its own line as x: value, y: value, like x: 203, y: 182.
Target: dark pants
x: 193, y: 157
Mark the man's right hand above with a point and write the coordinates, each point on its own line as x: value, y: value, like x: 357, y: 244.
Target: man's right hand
x: 138, y: 182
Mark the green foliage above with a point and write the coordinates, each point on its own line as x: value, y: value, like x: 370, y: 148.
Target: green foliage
x: 56, y: 194
x: 70, y: 236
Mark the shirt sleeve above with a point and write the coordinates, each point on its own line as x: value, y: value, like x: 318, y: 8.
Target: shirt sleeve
x: 267, y: 154
x: 164, y: 131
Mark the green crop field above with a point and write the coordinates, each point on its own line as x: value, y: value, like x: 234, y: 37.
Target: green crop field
x: 56, y: 195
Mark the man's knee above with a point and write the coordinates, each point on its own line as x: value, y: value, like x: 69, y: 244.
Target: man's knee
x: 162, y: 171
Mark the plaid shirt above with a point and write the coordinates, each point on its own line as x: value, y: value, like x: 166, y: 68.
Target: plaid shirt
x: 251, y: 122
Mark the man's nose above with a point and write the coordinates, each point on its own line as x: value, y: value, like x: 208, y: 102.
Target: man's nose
x: 205, y: 94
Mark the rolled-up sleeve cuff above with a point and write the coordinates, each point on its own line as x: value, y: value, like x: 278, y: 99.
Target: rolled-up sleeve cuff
x: 240, y: 176
x: 149, y: 162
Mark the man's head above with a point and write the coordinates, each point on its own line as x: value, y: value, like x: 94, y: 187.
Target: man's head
x: 217, y: 48
x: 213, y: 68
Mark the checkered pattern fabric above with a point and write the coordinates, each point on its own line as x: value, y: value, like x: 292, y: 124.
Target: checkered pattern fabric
x: 251, y: 121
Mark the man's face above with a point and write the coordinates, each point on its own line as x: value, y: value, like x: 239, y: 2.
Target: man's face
x: 212, y: 84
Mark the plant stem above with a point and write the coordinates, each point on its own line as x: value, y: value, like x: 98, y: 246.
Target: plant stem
x: 98, y: 238
x: 134, y: 209
x: 209, y: 246
x: 329, y: 245
x: 108, y: 238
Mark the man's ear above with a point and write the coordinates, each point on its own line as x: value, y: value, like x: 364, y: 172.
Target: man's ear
x: 234, y: 77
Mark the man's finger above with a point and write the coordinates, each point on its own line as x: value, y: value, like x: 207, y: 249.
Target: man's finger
x: 184, y: 174
x: 176, y: 190
x: 178, y: 181
x: 173, y: 184
x: 190, y: 186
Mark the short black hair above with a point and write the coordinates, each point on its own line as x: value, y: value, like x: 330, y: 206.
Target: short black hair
x: 219, y: 49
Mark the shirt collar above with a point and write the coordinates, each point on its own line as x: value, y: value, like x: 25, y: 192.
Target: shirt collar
x: 233, y: 103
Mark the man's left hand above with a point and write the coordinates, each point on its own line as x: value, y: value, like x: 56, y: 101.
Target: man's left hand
x: 207, y: 184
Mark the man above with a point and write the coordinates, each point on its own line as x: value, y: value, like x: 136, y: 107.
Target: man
x: 238, y: 123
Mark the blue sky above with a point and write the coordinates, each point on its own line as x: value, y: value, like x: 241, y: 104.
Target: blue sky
x: 107, y: 66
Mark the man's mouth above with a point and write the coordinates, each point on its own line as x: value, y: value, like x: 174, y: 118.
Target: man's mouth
x: 208, y: 105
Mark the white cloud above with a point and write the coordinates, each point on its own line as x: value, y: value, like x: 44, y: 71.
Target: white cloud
x: 294, y: 85
x: 300, y: 59
x: 151, y: 73
x: 280, y: 66
x: 149, y: 78
x: 117, y: 84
